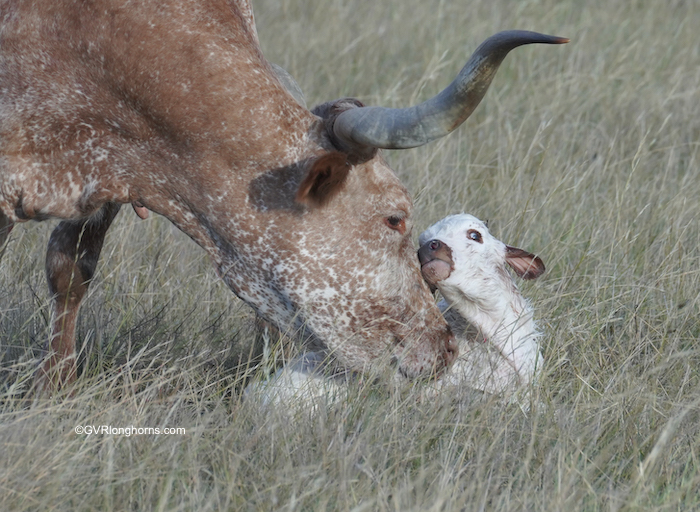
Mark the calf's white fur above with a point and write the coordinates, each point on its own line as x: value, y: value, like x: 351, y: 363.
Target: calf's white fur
x: 467, y: 264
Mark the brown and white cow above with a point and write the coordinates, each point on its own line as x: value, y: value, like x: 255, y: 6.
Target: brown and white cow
x: 170, y: 105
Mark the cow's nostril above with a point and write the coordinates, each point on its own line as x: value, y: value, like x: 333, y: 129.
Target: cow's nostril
x: 435, y: 245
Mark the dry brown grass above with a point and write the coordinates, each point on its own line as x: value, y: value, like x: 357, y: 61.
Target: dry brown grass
x: 587, y: 154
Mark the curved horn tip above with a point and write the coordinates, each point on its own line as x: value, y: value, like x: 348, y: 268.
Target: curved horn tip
x: 530, y: 37
x: 560, y: 40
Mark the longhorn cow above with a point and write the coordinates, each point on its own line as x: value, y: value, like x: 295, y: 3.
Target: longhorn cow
x: 170, y: 105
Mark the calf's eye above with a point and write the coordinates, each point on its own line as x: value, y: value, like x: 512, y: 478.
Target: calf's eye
x: 473, y: 234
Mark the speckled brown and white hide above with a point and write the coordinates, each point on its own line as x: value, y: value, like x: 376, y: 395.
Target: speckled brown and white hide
x: 171, y: 105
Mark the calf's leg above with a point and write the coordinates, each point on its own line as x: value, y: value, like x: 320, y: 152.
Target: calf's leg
x: 71, y: 258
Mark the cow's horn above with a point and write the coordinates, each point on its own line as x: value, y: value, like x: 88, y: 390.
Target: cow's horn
x: 393, y: 128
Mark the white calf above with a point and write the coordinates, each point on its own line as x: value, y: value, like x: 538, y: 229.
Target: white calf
x: 467, y: 264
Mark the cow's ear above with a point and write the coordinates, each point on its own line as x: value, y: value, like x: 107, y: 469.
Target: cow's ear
x: 325, y: 178
x: 525, y: 264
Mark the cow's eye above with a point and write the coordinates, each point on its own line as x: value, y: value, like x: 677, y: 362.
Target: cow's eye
x: 473, y: 234
x: 397, y: 223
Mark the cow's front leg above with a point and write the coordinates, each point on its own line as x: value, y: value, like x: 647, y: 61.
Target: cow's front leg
x: 71, y: 259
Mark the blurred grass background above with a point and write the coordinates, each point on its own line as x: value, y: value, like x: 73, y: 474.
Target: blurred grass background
x: 586, y: 153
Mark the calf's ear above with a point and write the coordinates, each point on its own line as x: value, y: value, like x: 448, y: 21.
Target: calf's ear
x: 525, y: 264
x: 325, y: 178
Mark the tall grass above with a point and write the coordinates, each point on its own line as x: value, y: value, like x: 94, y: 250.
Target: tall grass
x: 587, y: 154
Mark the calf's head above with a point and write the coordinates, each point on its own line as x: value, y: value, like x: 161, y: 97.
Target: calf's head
x: 468, y: 264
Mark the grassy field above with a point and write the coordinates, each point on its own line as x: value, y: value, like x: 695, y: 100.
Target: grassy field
x: 587, y: 154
